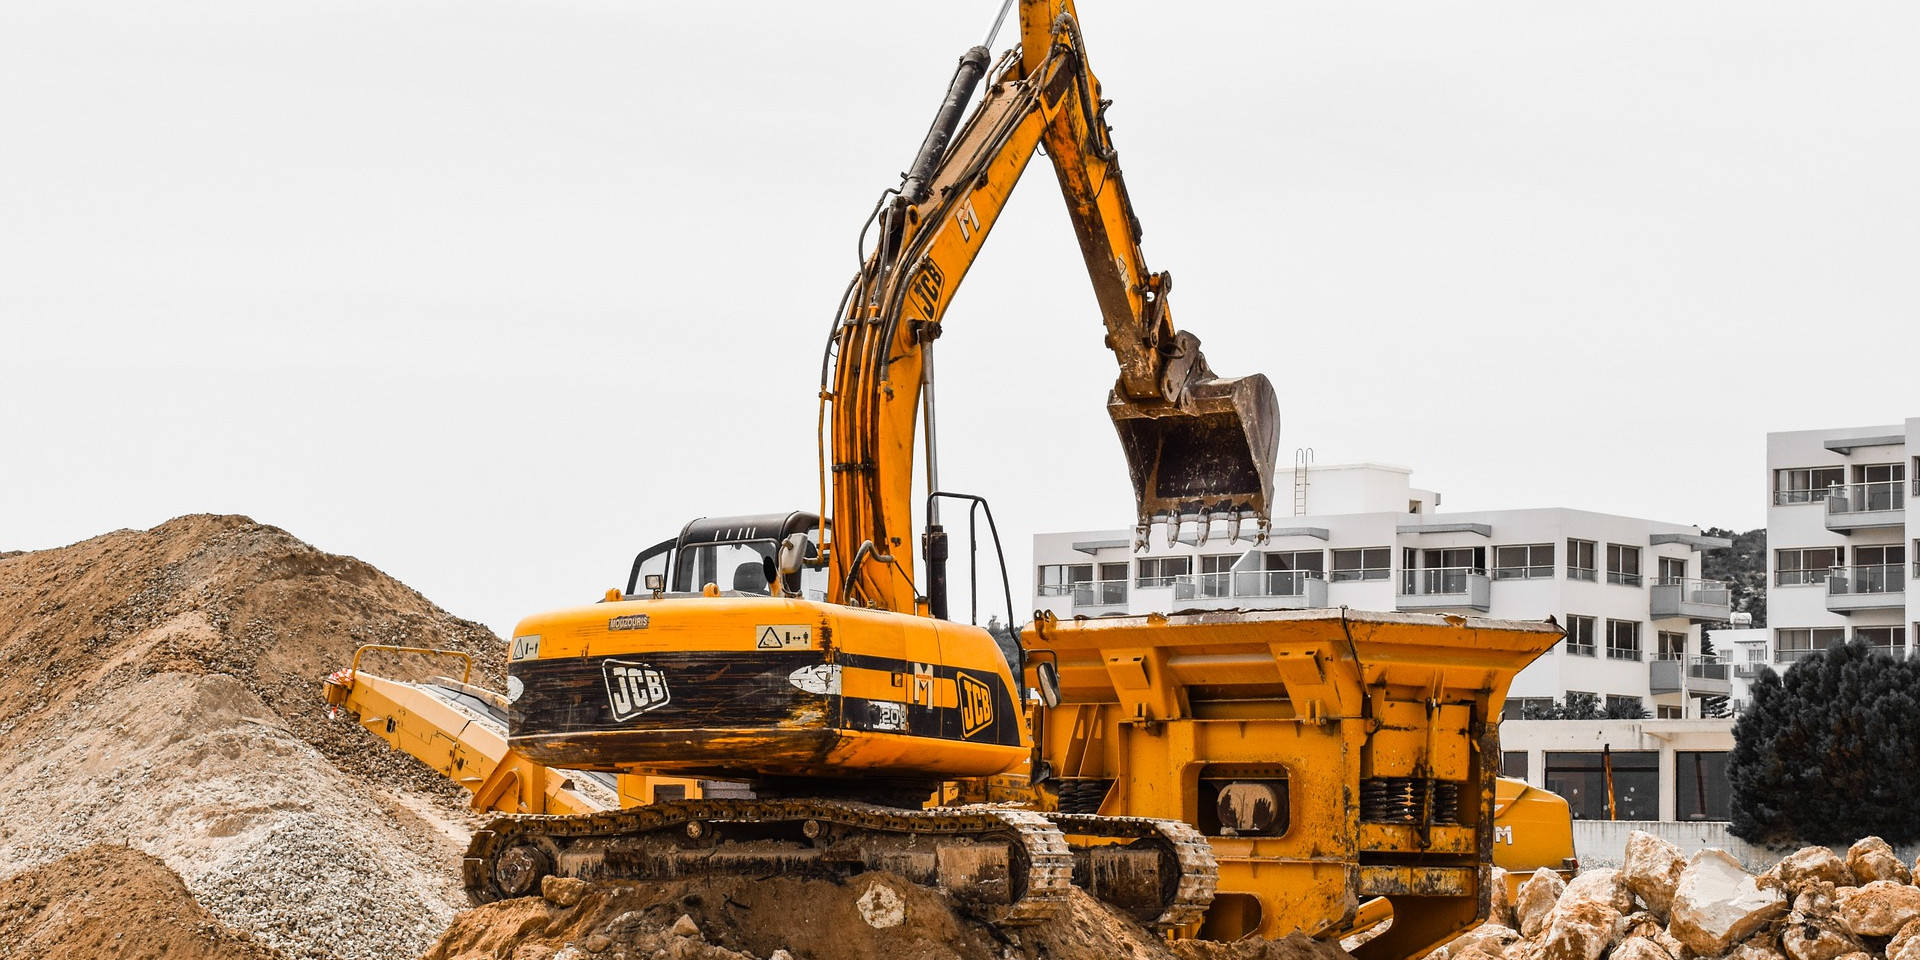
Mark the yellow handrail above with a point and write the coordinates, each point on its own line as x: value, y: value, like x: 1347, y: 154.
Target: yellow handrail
x: 354, y: 673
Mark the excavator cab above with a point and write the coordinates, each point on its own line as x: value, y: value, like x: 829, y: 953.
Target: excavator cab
x: 739, y: 555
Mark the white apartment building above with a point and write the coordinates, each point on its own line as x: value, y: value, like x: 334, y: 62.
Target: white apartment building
x: 1842, y: 544
x: 1628, y: 591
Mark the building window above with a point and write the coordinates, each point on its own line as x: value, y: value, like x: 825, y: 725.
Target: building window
x: 1806, y: 484
x: 1669, y: 713
x: 1623, y: 564
x: 1216, y: 575
x: 1791, y: 644
x: 1581, y: 777
x: 1365, y: 563
x: 1877, y: 569
x: 1161, y: 571
x: 1580, y: 560
x: 1890, y: 639
x: 1625, y: 706
x: 1799, y: 566
x: 1285, y: 574
x: 1623, y: 639
x: 1673, y: 570
x: 1530, y: 561
x: 1700, y: 790
x: 1059, y: 579
x: 1673, y: 646
x: 1513, y: 763
x: 1580, y: 635
x: 1525, y: 708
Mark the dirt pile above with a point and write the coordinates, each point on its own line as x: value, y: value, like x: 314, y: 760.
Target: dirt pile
x: 1813, y: 905
x: 874, y: 916
x: 110, y: 901
x: 159, y: 688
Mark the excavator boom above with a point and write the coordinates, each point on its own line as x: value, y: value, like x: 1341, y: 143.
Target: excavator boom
x: 1197, y: 447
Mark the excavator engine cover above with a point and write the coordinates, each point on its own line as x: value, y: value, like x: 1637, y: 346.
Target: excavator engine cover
x: 1211, y: 454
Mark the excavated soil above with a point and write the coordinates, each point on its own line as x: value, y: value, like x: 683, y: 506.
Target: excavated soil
x: 160, y: 689
x: 112, y: 901
x: 177, y: 788
x: 874, y: 916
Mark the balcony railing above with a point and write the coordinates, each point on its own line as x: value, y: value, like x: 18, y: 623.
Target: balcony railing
x: 1271, y: 588
x: 1782, y: 498
x: 1691, y: 598
x: 1747, y: 671
x: 1100, y: 593
x: 1858, y: 505
x: 1704, y: 676
x: 1872, y: 586
x: 1443, y: 587
x: 1867, y: 578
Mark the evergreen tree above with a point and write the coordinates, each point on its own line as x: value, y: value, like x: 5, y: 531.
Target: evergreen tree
x: 1830, y: 752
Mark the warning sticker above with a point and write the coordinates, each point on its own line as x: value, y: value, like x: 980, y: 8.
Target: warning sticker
x: 783, y: 636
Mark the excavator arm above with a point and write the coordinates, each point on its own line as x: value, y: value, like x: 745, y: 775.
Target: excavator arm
x: 1197, y: 447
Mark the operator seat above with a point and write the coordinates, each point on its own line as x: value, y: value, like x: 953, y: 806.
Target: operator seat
x: 750, y: 577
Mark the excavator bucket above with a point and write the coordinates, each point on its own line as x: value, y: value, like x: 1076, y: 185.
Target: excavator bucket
x: 1212, y: 455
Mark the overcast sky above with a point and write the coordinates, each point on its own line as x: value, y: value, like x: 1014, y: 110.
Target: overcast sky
x: 493, y: 294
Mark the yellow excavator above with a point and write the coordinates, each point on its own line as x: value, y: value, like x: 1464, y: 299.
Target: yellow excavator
x: 1222, y: 773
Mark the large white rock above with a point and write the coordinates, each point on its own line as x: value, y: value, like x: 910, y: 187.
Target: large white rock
x: 1716, y: 904
x: 1580, y: 930
x: 1652, y: 869
x: 1871, y: 858
x: 1879, y: 909
x: 1537, y: 897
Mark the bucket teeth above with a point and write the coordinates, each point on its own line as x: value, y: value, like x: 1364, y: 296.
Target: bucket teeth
x: 1212, y: 453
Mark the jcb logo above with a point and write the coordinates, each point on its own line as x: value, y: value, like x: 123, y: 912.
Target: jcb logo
x: 634, y: 688
x: 976, y: 705
x: 927, y: 287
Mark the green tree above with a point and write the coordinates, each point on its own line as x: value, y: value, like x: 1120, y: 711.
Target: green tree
x: 1830, y: 751
x: 1743, y: 567
x: 1585, y: 706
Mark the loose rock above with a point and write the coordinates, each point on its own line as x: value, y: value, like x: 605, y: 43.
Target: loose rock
x: 1717, y: 904
x: 1806, y: 865
x: 1879, y: 909
x: 1808, y: 938
x: 563, y: 891
x: 1537, y: 898
x: 1580, y: 930
x: 1652, y: 870
x: 1871, y: 859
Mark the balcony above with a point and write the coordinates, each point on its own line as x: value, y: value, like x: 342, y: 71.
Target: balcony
x: 1252, y: 589
x: 1873, y: 586
x: 1748, y: 671
x: 1446, y: 588
x: 1864, y: 506
x: 1697, y: 600
x: 1703, y: 677
x: 1091, y: 596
